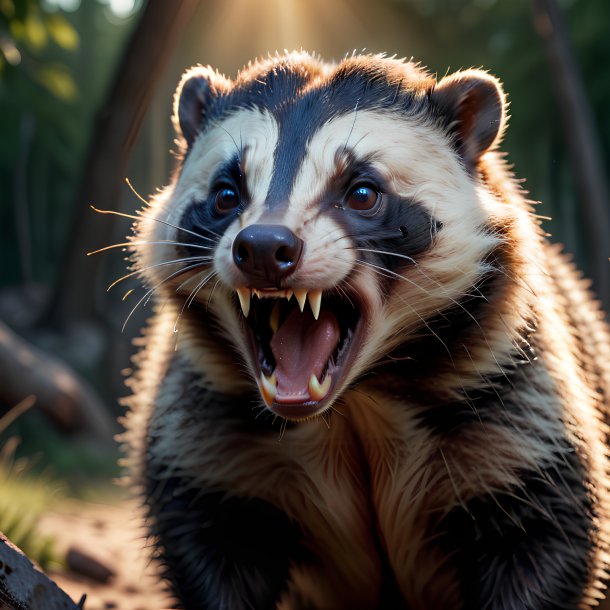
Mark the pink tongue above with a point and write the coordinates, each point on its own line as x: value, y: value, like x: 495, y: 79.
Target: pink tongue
x: 302, y: 346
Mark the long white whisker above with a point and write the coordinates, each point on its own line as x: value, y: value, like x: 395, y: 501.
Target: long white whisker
x: 191, y: 296
x: 150, y: 292
x: 149, y: 243
x: 200, y: 287
x: 404, y: 256
x: 381, y: 271
x: 164, y: 222
x: 175, y: 261
x: 207, y: 305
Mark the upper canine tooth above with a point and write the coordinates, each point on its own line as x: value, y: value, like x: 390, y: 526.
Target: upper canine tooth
x: 301, y: 296
x: 268, y: 388
x: 315, y: 300
x: 317, y: 391
x: 244, y: 300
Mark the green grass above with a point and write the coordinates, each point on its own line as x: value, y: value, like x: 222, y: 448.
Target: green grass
x: 23, y: 500
x: 39, y: 467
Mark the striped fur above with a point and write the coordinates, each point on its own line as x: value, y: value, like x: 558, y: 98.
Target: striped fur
x: 459, y: 459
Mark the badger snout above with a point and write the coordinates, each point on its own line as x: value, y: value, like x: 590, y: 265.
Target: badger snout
x: 267, y: 254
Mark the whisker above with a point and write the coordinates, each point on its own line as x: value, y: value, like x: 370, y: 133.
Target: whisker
x: 207, y: 305
x: 384, y: 252
x: 381, y: 271
x: 200, y: 287
x: 133, y: 190
x: 163, y: 264
x: 190, y: 278
x: 239, y: 150
x: 353, y: 125
x: 191, y: 296
x: 164, y: 222
x: 283, y: 426
x: 149, y: 293
x: 127, y: 294
x: 149, y: 243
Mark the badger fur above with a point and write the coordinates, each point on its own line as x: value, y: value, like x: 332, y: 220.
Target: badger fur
x: 369, y: 381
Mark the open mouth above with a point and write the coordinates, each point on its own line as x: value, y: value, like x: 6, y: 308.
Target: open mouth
x: 303, y: 344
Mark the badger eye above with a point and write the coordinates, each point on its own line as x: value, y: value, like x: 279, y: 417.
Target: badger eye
x: 362, y: 197
x: 226, y: 200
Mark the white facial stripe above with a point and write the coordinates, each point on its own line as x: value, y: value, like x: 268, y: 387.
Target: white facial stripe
x: 252, y: 132
x: 416, y: 159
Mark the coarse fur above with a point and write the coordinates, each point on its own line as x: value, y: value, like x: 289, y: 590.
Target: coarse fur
x: 457, y: 459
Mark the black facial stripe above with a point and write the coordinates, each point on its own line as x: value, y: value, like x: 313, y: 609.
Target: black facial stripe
x: 391, y: 237
x: 300, y: 120
x: 199, y: 217
x: 301, y: 112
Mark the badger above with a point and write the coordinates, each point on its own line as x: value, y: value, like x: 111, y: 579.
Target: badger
x: 369, y: 381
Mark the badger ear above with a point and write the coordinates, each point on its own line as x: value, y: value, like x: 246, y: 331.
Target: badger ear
x: 473, y: 106
x: 195, y: 93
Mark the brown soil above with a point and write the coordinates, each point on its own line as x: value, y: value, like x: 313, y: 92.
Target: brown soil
x: 110, y: 536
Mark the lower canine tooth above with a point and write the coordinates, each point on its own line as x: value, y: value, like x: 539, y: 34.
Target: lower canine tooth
x: 268, y: 388
x: 244, y: 300
x: 317, y: 391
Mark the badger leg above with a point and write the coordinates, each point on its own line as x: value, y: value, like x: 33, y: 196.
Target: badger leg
x: 530, y: 548
x: 219, y: 552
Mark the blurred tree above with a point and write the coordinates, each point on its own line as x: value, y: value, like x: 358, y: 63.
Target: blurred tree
x: 500, y: 34
x: 117, y: 125
x: 584, y: 143
x: 43, y: 112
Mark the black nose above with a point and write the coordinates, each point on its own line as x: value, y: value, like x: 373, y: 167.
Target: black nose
x: 267, y: 254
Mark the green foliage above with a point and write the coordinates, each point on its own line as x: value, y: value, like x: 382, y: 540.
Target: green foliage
x: 26, y: 31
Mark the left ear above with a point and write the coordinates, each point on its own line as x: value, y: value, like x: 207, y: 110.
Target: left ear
x: 473, y: 105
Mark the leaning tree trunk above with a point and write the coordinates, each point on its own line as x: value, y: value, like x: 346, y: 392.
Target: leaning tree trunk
x: 117, y: 125
x: 582, y: 138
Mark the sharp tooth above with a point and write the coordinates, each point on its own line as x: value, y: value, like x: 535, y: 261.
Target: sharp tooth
x: 288, y: 295
x: 315, y: 300
x: 301, y: 296
x: 268, y: 388
x: 317, y: 391
x: 256, y: 293
x: 244, y: 300
x: 274, y: 319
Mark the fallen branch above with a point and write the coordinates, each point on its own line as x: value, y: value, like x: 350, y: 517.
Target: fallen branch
x: 24, y: 587
x: 68, y: 400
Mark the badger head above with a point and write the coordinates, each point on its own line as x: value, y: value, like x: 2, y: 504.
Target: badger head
x: 321, y: 214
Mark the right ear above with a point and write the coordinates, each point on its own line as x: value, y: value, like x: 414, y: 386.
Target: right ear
x: 194, y: 95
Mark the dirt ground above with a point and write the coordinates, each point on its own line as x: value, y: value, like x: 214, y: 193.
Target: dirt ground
x: 112, y: 536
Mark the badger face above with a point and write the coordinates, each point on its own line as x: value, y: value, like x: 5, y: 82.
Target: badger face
x: 321, y: 214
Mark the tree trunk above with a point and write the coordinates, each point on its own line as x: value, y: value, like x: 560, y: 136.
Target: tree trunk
x: 582, y: 138
x: 117, y: 126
